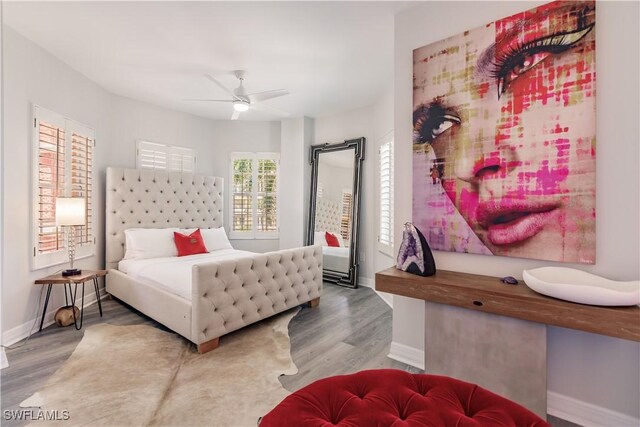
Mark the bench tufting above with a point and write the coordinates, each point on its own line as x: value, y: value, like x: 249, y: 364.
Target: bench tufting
x: 396, y: 398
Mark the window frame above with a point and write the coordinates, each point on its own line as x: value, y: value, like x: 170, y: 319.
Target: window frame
x: 385, y: 248
x: 254, y: 234
x: 83, y: 250
x: 169, y: 152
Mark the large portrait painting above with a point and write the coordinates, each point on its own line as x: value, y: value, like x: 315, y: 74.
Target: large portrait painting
x: 504, y: 137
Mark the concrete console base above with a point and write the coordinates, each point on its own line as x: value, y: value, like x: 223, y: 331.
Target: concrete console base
x: 505, y: 355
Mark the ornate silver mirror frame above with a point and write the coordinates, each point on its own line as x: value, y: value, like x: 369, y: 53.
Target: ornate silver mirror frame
x: 348, y: 278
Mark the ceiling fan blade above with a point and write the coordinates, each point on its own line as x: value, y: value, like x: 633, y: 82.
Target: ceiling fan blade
x: 266, y: 107
x: 209, y: 100
x: 208, y: 76
x: 235, y: 115
x: 269, y: 94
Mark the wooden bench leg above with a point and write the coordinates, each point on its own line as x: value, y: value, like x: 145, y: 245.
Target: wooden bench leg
x: 208, y: 346
x: 314, y: 302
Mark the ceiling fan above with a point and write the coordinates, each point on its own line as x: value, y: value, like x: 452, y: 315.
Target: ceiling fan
x: 241, y: 100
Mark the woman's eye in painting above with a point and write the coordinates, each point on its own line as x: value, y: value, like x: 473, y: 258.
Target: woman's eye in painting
x: 431, y: 121
x: 518, y: 60
x: 443, y: 124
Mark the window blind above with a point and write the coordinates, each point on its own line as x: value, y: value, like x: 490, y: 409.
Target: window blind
x: 266, y: 197
x: 62, y: 167
x: 151, y: 155
x: 385, y: 232
x: 254, y: 195
x: 51, y: 173
x: 242, y: 197
x: 345, y: 216
x: 81, y: 168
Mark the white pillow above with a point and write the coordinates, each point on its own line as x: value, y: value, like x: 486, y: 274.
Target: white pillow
x: 144, y: 243
x: 215, y: 239
x: 318, y: 238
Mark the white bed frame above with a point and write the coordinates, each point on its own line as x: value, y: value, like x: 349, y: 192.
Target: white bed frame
x: 225, y: 295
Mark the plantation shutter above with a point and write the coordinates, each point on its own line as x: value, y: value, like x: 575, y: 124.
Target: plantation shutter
x: 182, y: 159
x: 62, y: 167
x: 151, y: 155
x: 345, y: 217
x: 254, y: 195
x: 81, y: 182
x: 266, y: 197
x: 242, y: 195
x: 385, y: 233
x: 386, y: 214
x: 51, y: 173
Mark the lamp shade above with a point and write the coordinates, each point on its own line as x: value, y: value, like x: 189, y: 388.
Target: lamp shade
x: 70, y: 211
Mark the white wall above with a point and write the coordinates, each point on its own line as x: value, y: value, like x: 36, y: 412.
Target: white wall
x: 3, y: 358
x: 32, y: 75
x: 598, y: 370
x: 294, y: 154
x: 373, y: 122
x: 212, y: 140
x: 334, y: 180
x: 350, y: 125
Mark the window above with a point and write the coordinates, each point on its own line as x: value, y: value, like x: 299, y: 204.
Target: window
x: 253, y: 195
x: 385, y: 230
x: 345, y: 214
x: 62, y: 167
x: 151, y: 155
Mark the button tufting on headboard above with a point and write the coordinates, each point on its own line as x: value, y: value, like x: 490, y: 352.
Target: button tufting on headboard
x: 132, y: 196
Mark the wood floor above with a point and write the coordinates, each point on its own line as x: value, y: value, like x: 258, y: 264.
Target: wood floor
x: 349, y: 331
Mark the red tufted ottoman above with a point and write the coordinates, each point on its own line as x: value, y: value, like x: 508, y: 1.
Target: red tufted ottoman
x: 389, y: 397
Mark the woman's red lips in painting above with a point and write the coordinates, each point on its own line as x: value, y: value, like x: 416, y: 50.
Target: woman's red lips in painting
x: 508, y: 222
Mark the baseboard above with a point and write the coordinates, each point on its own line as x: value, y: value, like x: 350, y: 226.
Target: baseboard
x: 366, y: 282
x: 586, y: 414
x: 405, y: 354
x: 20, y: 332
x: 370, y: 283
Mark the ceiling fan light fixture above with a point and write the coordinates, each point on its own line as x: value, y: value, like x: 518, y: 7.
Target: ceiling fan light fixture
x: 240, y: 106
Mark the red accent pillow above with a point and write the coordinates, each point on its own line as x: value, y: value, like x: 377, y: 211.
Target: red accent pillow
x: 191, y: 244
x: 331, y: 239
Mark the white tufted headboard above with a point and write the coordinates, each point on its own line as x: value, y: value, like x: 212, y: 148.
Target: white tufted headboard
x: 327, y: 216
x: 155, y: 199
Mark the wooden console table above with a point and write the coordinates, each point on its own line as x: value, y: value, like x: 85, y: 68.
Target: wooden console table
x: 489, y: 294
x: 481, y: 330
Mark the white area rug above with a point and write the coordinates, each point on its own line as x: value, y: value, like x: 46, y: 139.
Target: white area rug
x: 141, y: 376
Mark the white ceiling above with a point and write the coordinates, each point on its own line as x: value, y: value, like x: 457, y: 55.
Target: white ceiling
x: 331, y: 56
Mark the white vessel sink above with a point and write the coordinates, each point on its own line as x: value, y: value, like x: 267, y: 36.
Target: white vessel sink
x: 579, y: 286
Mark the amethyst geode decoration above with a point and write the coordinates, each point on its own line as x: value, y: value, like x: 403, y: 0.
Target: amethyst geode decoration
x: 415, y: 256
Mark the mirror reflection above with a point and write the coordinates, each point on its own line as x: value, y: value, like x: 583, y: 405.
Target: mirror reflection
x: 334, y: 207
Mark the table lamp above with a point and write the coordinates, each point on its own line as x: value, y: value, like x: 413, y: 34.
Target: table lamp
x: 71, y: 211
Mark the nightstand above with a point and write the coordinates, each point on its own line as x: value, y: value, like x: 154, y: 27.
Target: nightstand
x: 59, y: 279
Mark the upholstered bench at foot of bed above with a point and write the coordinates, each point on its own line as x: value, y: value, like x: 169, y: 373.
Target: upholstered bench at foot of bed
x: 231, y: 294
x: 396, y: 398
x: 211, y: 345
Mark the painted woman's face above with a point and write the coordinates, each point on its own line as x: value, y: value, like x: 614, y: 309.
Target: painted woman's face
x: 505, y: 116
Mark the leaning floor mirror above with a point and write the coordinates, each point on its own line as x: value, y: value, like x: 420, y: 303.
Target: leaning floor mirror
x: 336, y: 173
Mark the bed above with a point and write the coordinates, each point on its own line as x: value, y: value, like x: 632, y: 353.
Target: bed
x: 223, y: 291
x: 336, y: 259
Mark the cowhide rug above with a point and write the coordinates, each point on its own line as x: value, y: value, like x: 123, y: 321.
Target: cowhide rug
x: 142, y: 376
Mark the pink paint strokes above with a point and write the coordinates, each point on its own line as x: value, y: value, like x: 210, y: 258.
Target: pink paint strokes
x: 504, y: 136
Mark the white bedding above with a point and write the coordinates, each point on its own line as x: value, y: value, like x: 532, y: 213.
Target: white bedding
x: 173, y: 274
x: 336, y: 259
